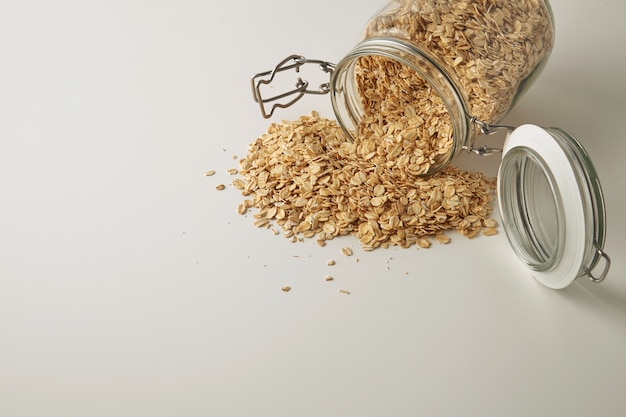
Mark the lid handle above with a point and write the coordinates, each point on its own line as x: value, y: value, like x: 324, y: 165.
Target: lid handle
x: 301, y: 87
x: 605, y: 271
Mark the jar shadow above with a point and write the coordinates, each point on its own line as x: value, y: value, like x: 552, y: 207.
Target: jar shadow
x: 600, y: 298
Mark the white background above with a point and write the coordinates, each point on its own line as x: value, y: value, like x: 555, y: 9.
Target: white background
x: 129, y: 286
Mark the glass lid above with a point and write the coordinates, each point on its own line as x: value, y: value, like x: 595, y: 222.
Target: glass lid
x: 552, y: 206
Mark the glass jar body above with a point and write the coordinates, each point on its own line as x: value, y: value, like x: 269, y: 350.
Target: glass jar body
x: 460, y: 60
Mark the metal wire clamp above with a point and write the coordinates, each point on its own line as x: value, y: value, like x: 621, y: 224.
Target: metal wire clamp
x: 486, y: 129
x: 607, y: 265
x: 293, y: 62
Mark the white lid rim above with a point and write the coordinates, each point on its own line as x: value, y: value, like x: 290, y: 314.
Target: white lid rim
x: 577, y: 195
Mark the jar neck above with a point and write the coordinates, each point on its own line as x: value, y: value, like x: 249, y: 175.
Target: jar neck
x: 348, y: 106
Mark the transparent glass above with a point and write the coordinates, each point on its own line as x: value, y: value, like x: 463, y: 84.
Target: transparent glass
x: 477, y: 57
x: 533, y: 209
x: 552, y: 206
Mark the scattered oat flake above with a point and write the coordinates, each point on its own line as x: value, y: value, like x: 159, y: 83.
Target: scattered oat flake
x: 239, y: 184
x: 346, y: 251
x: 286, y: 288
x: 263, y: 222
x: 490, y: 223
x: 220, y: 187
x: 209, y: 173
x: 490, y: 231
x: 342, y: 291
x: 330, y: 262
x: 423, y: 243
x: 328, y: 278
x: 443, y: 239
x: 233, y: 171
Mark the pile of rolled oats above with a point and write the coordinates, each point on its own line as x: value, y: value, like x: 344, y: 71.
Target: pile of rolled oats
x: 306, y: 177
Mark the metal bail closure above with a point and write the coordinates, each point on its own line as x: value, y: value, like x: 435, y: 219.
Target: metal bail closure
x: 485, y: 129
x: 607, y: 265
x: 293, y: 62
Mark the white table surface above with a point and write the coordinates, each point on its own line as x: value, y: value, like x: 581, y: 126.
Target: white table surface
x: 129, y: 286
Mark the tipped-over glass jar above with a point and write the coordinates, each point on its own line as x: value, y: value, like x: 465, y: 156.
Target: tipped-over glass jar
x: 433, y: 72
x: 446, y: 69
x: 430, y: 76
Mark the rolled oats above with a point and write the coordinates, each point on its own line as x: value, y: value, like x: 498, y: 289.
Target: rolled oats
x: 404, y: 119
x: 443, y: 239
x: 490, y: 48
x: 489, y: 51
x: 307, y: 178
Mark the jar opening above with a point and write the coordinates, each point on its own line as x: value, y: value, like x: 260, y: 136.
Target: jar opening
x: 532, y: 209
x: 391, y: 91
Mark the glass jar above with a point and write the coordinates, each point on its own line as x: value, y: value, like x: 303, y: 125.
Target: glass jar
x: 464, y: 64
x: 430, y: 76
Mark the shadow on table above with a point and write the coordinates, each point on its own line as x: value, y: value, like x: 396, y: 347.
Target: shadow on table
x: 601, y: 297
